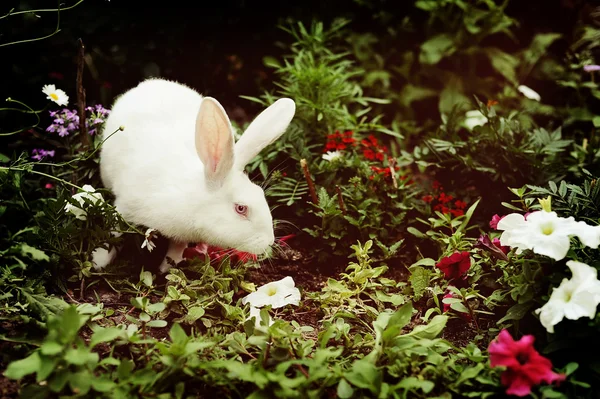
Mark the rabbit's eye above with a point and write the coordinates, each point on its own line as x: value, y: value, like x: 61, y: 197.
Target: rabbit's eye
x: 241, y: 209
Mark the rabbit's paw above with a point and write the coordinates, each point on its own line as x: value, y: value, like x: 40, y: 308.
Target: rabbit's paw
x: 174, y: 255
x: 102, y: 257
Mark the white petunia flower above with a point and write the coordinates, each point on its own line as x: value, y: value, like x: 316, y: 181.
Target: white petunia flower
x: 56, y: 95
x: 148, y: 243
x: 277, y: 294
x: 89, y: 193
x: 529, y: 93
x: 545, y: 233
x: 332, y: 155
x: 574, y: 298
x: 255, y: 312
x: 474, y: 118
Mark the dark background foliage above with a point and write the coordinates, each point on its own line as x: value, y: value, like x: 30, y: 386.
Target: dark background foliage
x: 215, y: 47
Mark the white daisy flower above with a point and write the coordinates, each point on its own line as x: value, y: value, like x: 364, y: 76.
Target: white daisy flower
x: 529, y: 93
x: 148, y: 243
x: 277, y: 294
x: 89, y: 193
x: 474, y: 118
x: 574, y: 298
x: 332, y: 155
x: 56, y: 95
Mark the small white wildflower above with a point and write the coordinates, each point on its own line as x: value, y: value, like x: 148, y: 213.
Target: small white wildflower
x: 474, y: 118
x: 148, y: 243
x: 56, y: 95
x: 529, y: 93
x: 277, y: 294
x: 332, y: 155
x: 574, y: 298
x: 89, y: 193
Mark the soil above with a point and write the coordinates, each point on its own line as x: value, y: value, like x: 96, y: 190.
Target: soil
x: 308, y: 275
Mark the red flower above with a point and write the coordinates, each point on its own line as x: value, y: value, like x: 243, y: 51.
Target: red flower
x: 437, y: 185
x: 372, y: 139
x: 427, y: 198
x: 494, y: 221
x: 49, y: 186
x: 494, y: 247
x: 525, y: 367
x: 217, y: 253
x: 503, y: 248
x: 379, y: 156
x: 340, y: 146
x: 444, y: 199
x: 455, y: 265
x: 457, y: 212
x: 369, y: 154
x: 460, y: 204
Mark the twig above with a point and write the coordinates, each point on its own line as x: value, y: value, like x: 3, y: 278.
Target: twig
x: 340, y: 199
x: 392, y: 162
x: 311, y: 184
x: 298, y: 366
x: 85, y: 140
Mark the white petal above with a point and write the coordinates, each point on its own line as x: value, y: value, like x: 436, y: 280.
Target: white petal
x: 555, y: 246
x: 582, y: 272
x: 511, y: 221
x: 582, y: 304
x: 588, y: 235
x: 257, y: 299
x: 529, y: 93
x: 551, y: 314
x: 255, y: 312
x: 285, y: 296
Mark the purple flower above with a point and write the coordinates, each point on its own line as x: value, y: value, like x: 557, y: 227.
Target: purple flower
x: 62, y: 131
x: 53, y: 113
x: 59, y: 121
x: 38, y: 154
x: 51, y: 128
x: 591, y: 68
x: 92, y: 132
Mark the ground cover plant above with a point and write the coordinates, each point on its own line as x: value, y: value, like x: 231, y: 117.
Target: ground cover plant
x: 435, y: 201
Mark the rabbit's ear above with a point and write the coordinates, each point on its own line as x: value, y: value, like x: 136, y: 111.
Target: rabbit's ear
x: 264, y: 129
x: 214, y: 141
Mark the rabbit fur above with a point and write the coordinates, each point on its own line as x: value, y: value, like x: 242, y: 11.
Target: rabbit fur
x: 175, y: 167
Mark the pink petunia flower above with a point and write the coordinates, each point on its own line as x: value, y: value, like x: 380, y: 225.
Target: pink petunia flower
x: 494, y: 222
x: 525, y: 367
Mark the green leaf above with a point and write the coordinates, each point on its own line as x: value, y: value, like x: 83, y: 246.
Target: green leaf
x: 157, y: 323
x: 504, y: 63
x: 178, y: 335
x: 413, y: 383
x: 516, y: 312
x: 34, y: 253
x: 436, y: 48
x: 50, y: 348
x: 419, y: 281
x: 156, y: 307
x: 271, y: 62
x: 344, y: 390
x: 81, y: 382
x: 397, y: 322
x: 102, y: 384
x: 146, y: 278
x: 20, y: 368
x: 468, y: 216
x: 365, y: 375
x: 105, y: 335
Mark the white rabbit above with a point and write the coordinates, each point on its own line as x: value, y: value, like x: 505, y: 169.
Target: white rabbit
x: 176, y: 168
